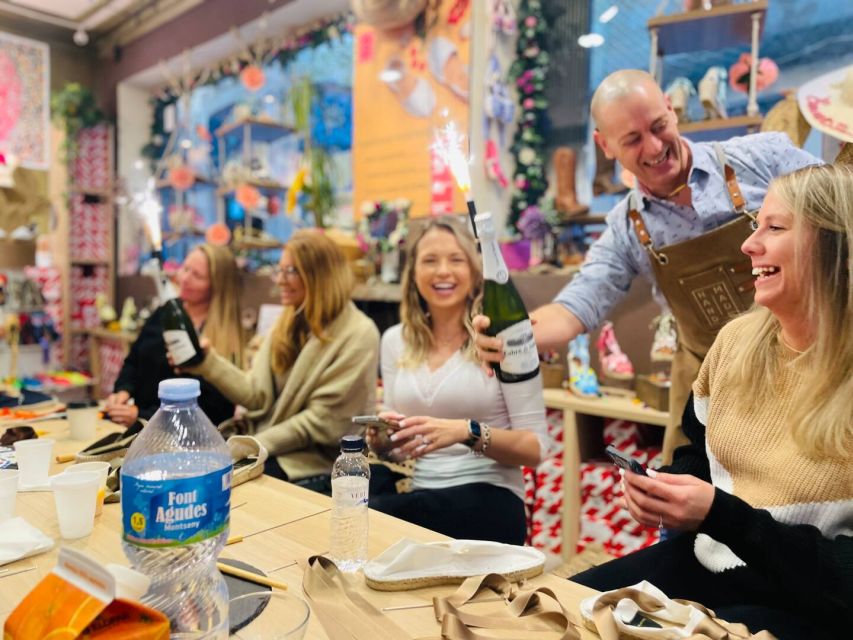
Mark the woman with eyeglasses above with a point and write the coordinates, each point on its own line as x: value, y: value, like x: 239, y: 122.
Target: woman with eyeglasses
x: 208, y: 286
x: 313, y: 372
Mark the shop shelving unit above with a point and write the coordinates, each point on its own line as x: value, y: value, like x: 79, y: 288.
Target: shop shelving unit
x: 705, y: 30
x: 244, y: 134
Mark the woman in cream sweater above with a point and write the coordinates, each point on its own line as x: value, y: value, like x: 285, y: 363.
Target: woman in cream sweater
x: 313, y: 372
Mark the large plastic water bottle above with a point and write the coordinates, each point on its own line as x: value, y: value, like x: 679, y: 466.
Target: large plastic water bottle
x: 176, y: 501
x: 350, y: 483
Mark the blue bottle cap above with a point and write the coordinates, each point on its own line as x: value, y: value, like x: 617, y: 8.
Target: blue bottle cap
x: 352, y: 443
x: 179, y: 389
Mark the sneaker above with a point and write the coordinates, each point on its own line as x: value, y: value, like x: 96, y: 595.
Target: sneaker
x: 582, y: 379
x: 665, y: 342
x: 614, y: 363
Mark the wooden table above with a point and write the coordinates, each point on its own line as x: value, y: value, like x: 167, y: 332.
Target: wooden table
x: 579, y: 439
x: 282, y: 526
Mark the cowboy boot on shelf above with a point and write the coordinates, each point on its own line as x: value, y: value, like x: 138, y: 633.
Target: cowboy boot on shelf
x: 566, y: 201
x: 614, y: 363
x: 712, y: 93
x: 679, y: 92
x: 665, y: 341
x: 604, y: 173
x: 582, y: 380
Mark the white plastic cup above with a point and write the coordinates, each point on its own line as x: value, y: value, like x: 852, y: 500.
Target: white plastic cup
x: 33, y: 458
x: 83, y: 420
x: 75, y: 495
x: 103, y: 470
x: 8, y: 492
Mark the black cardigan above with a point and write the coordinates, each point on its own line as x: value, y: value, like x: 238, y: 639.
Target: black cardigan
x: 817, y: 572
x: 146, y: 365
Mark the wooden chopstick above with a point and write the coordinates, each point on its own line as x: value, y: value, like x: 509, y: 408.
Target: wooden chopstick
x: 68, y: 457
x: 251, y: 577
x: 234, y: 540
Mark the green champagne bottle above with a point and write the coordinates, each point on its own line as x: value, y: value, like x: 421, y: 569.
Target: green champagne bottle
x: 505, y: 309
x: 178, y: 330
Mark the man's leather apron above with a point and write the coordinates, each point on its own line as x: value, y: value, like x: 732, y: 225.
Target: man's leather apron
x: 707, y: 281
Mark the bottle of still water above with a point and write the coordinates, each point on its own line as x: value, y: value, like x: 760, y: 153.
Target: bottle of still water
x: 350, y: 483
x: 176, y: 501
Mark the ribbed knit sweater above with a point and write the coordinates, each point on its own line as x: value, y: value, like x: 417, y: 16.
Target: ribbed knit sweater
x: 785, y: 515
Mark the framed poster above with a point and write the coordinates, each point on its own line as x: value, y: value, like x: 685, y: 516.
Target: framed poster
x: 25, y: 101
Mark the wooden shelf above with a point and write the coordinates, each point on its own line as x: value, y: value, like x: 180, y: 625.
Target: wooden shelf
x: 379, y: 292
x: 723, y: 26
x: 266, y: 186
x: 744, y: 123
x: 89, y: 262
x: 255, y: 244
x: 593, y: 219
x: 607, y: 406
x: 260, y: 130
x: 164, y: 183
x: 106, y: 334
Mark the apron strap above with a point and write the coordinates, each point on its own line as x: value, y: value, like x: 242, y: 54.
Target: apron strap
x: 640, y: 229
x: 732, y: 186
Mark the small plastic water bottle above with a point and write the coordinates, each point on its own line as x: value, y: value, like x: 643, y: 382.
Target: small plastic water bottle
x: 350, y: 483
x: 176, y: 502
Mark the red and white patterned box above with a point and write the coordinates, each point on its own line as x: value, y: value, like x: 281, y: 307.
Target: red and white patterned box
x: 91, y: 168
x: 90, y: 222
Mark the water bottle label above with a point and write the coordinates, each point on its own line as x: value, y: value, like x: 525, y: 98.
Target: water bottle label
x: 172, y: 513
x: 350, y: 491
x: 520, y: 351
x: 179, y: 345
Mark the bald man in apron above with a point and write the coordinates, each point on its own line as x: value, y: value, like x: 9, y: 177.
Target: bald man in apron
x: 681, y: 228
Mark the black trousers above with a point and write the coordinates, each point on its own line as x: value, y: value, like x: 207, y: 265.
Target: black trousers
x: 739, y: 595
x: 320, y: 484
x: 477, y: 511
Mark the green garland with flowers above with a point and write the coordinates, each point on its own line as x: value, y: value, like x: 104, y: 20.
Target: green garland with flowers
x: 528, y: 147
x: 283, y: 52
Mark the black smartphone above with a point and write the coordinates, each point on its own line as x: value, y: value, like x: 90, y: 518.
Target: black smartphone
x: 375, y: 421
x: 624, y: 462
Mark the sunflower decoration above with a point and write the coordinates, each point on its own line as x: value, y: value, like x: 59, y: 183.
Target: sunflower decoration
x: 295, y: 189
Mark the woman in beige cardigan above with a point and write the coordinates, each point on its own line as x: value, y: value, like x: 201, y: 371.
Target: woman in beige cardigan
x: 314, y: 371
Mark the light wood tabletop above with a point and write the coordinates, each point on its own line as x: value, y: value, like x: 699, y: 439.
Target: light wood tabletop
x: 282, y: 526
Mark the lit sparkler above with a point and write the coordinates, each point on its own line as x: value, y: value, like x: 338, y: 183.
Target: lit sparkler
x: 448, y: 145
x: 149, y: 208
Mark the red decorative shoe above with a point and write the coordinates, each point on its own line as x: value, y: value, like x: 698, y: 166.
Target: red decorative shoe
x: 614, y: 363
x: 493, y: 165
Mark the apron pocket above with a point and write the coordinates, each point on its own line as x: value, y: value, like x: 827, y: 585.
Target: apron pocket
x: 714, y: 297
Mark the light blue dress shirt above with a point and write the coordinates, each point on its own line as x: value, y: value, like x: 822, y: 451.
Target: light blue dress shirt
x: 617, y: 257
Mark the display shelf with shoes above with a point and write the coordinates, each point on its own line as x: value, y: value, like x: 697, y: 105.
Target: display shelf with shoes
x: 706, y: 29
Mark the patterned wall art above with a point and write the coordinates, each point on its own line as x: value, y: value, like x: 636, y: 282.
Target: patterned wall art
x: 25, y: 101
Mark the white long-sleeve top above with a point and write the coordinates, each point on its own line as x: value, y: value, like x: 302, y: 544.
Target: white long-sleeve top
x: 460, y: 389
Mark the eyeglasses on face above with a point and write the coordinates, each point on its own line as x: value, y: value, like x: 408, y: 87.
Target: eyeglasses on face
x: 284, y: 272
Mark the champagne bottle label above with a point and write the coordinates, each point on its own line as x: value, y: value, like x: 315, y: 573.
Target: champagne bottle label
x: 520, y: 353
x: 179, y: 344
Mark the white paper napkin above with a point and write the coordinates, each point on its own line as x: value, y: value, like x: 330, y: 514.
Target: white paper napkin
x: 19, y: 539
x: 406, y: 559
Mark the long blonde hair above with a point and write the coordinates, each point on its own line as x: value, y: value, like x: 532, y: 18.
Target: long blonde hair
x: 222, y: 326
x: 328, y: 283
x: 820, y: 199
x: 414, y: 314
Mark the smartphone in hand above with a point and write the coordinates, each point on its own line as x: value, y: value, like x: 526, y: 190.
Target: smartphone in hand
x: 381, y: 442
x: 624, y: 462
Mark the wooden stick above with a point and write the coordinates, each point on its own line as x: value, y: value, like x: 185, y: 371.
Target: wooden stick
x: 68, y: 457
x: 234, y: 540
x: 251, y: 577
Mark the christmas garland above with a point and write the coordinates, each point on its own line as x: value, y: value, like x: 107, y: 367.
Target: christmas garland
x: 283, y: 51
x: 528, y: 147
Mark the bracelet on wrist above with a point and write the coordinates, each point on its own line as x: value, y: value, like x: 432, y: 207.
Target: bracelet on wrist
x: 485, y: 440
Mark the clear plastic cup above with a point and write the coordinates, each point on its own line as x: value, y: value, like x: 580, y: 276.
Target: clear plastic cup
x: 33, y: 457
x: 75, y: 495
x: 278, y: 616
x: 8, y: 492
x: 103, y: 470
